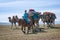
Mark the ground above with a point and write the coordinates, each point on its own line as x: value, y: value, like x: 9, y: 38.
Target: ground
x: 6, y: 33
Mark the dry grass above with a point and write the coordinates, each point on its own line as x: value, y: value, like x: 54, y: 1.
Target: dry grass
x: 6, y: 33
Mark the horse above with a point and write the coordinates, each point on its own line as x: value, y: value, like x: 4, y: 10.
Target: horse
x: 13, y: 20
x: 30, y: 15
x: 47, y: 18
x: 52, y: 19
x: 24, y: 26
x: 39, y: 17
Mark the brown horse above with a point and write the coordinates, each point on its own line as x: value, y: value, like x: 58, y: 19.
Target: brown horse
x: 47, y: 17
x: 25, y: 27
x: 52, y: 19
x: 13, y: 20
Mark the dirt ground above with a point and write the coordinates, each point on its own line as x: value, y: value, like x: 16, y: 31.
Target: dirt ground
x: 6, y: 33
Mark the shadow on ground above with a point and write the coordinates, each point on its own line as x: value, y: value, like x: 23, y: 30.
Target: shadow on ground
x: 38, y: 30
x: 55, y: 27
x: 16, y: 28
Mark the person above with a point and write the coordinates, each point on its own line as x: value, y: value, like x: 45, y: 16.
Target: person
x: 26, y: 17
x: 35, y: 16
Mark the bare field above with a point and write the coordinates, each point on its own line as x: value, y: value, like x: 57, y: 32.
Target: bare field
x: 6, y: 33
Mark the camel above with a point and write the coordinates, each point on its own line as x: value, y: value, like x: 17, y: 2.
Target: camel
x: 13, y: 21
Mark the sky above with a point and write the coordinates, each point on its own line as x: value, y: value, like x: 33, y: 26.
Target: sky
x: 9, y: 8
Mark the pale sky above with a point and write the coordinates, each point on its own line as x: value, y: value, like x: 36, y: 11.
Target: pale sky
x: 17, y: 7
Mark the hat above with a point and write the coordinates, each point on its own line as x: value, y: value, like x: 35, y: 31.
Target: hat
x: 31, y: 10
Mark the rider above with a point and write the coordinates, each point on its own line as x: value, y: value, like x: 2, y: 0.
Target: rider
x: 26, y: 17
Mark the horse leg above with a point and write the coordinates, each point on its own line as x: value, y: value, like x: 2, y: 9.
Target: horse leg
x: 44, y: 23
x: 48, y: 25
x: 26, y: 30
x: 30, y: 28
x: 54, y: 23
x: 22, y: 28
x: 37, y: 25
